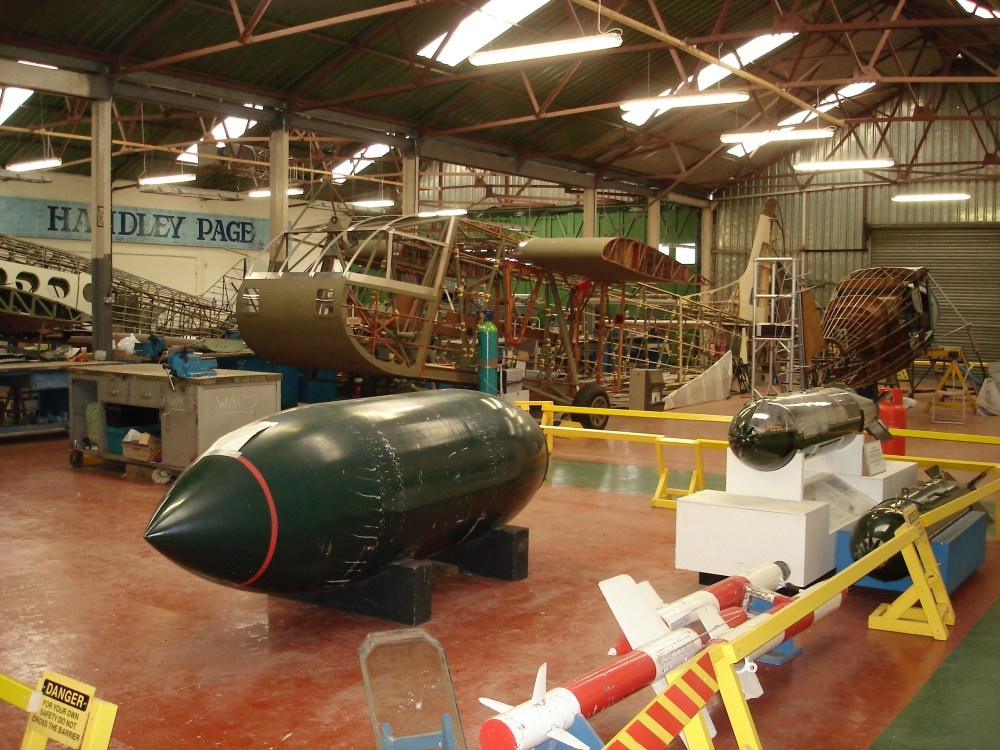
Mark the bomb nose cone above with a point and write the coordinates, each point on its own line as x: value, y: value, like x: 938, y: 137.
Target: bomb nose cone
x: 761, y: 437
x: 200, y: 527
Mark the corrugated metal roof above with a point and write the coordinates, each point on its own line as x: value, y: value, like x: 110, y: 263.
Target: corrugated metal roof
x: 343, y: 73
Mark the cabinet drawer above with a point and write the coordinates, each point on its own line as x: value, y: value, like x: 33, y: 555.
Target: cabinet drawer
x: 113, y: 388
x: 145, y: 393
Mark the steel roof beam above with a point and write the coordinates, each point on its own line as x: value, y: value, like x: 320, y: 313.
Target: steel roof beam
x: 63, y: 82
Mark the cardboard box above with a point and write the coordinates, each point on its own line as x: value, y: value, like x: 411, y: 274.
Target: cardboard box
x: 144, y: 448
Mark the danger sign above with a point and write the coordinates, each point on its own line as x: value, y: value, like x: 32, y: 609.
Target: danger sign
x: 63, y: 708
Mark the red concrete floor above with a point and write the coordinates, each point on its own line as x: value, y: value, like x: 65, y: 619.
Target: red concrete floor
x: 192, y: 664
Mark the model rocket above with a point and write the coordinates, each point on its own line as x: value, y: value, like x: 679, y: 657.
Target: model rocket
x: 327, y: 494
x: 664, y: 636
x: 767, y: 433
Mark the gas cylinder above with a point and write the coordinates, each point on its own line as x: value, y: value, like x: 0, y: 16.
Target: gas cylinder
x: 489, y: 356
x: 892, y: 412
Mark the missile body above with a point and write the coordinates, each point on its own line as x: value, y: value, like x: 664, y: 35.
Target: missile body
x: 534, y: 722
x: 879, y: 525
x: 546, y: 716
x: 767, y: 433
x: 328, y: 494
x: 729, y: 592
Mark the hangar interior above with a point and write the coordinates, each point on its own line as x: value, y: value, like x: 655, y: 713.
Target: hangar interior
x: 787, y: 143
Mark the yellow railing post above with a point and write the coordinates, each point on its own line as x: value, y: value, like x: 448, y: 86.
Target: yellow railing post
x: 665, y: 496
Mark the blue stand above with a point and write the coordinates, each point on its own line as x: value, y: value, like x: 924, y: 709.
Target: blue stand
x: 581, y: 729
x: 781, y: 653
x: 959, y: 550
x: 443, y: 740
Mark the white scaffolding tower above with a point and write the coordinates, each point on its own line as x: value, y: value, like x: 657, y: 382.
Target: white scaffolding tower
x: 776, y: 359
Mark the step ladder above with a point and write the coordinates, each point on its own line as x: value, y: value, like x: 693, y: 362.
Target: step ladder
x: 952, y: 394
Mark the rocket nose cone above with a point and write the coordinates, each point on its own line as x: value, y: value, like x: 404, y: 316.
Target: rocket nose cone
x: 218, y: 520
x: 495, y: 734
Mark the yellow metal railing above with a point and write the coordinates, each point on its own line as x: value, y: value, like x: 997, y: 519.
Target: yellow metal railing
x: 666, y: 496
x: 923, y: 609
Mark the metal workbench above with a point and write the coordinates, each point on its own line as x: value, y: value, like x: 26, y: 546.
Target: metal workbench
x: 188, y: 413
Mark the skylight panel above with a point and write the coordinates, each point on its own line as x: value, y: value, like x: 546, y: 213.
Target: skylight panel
x: 977, y: 10
x: 11, y: 98
x: 359, y: 162
x: 229, y: 128
x: 831, y: 101
x: 745, y: 54
x: 805, y: 115
x: 707, y: 77
x: 480, y: 28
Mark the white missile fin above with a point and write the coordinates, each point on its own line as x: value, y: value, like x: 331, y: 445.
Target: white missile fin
x: 709, y: 724
x: 650, y: 595
x: 749, y: 681
x: 561, y: 735
x: 638, y: 621
x: 497, y: 706
x: 711, y: 620
x: 538, y: 693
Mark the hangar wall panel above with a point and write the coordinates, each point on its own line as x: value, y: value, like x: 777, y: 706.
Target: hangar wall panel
x: 964, y: 262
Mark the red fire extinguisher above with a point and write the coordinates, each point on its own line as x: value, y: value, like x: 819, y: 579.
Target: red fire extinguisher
x: 892, y: 412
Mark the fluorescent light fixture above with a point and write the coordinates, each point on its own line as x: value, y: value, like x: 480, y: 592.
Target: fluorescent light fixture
x: 766, y: 136
x: 6, y: 175
x: 744, y: 55
x: 443, y: 212
x: 573, y: 46
x: 835, y: 99
x: 702, y: 99
x: 34, y: 64
x: 167, y: 179
x: 374, y: 203
x: 184, y: 191
x: 834, y: 166
x: 929, y: 197
x: 35, y: 165
x: 266, y: 192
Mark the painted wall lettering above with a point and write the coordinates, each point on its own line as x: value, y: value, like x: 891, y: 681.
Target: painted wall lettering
x: 28, y: 217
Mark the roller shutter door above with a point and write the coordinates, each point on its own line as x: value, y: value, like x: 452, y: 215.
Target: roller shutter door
x: 965, y: 264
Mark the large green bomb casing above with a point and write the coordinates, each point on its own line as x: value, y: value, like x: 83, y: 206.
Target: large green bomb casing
x: 327, y: 494
x: 767, y: 433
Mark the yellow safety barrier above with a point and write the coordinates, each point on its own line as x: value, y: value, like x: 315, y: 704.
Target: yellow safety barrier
x: 692, y: 684
x: 666, y: 497
x: 547, y: 418
x: 100, y: 716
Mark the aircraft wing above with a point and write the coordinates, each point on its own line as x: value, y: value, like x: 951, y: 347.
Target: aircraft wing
x: 611, y: 259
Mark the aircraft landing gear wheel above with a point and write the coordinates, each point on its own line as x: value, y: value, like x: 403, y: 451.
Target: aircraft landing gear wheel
x: 592, y: 396
x: 76, y: 459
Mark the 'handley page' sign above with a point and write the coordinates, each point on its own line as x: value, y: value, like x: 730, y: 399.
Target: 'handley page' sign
x: 30, y: 217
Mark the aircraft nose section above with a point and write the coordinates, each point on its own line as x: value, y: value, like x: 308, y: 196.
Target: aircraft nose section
x: 218, y: 520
